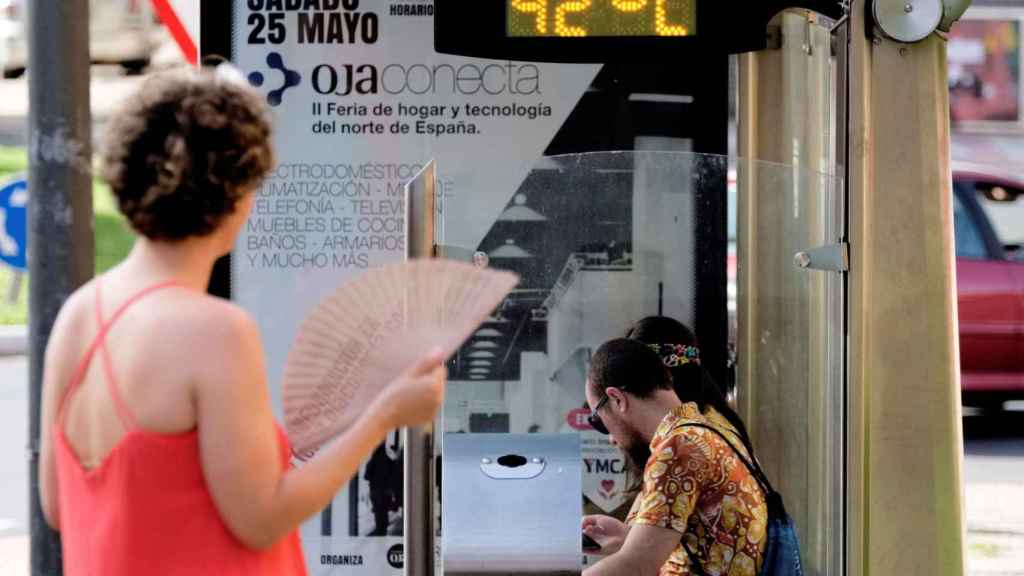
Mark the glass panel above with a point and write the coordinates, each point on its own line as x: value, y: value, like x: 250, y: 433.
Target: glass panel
x: 602, y: 240
x: 969, y: 242
x: 1006, y: 213
x: 790, y: 345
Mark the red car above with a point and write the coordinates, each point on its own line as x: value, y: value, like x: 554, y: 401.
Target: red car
x: 989, y: 224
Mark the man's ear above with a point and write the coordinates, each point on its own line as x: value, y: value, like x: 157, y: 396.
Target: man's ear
x: 618, y: 399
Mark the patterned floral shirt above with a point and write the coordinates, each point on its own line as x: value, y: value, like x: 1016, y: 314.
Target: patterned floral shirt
x: 695, y: 485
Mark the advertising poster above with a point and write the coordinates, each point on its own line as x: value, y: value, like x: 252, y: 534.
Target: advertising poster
x: 361, y: 102
x: 605, y: 475
x: 984, y: 73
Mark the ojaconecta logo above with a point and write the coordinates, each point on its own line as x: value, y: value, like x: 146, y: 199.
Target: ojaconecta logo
x: 466, y: 79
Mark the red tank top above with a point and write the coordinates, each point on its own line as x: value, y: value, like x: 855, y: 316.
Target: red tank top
x: 145, y: 509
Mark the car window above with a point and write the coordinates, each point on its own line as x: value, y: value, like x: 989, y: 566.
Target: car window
x: 969, y: 241
x: 1007, y: 218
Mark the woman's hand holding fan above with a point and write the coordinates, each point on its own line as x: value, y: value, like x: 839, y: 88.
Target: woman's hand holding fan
x: 414, y: 398
x: 377, y: 340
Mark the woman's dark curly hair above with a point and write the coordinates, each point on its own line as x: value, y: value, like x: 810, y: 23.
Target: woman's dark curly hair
x: 184, y: 150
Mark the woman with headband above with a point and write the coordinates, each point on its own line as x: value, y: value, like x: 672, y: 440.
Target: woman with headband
x: 677, y: 346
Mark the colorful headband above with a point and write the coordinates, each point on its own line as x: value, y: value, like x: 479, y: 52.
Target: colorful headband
x: 674, y: 355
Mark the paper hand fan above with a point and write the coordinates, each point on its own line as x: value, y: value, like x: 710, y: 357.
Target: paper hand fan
x: 373, y: 328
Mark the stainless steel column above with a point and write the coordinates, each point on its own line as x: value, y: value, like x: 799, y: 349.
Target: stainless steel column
x: 419, y: 453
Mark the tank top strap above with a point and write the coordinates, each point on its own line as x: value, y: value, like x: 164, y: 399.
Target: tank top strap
x: 98, y: 344
x: 127, y: 418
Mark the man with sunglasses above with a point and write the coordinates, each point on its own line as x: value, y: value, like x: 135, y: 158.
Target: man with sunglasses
x: 700, y: 511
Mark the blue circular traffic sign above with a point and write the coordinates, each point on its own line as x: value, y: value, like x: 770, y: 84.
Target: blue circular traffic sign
x: 14, y: 223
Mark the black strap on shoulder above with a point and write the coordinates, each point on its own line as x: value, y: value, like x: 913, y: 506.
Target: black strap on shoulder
x: 755, y: 470
x: 695, y: 565
x: 752, y: 466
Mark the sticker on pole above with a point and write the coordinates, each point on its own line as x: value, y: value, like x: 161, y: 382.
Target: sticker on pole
x: 14, y: 223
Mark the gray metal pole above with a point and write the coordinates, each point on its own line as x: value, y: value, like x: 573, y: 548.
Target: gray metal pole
x: 60, y: 207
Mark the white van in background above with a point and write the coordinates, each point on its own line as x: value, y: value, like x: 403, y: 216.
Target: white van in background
x: 121, y: 32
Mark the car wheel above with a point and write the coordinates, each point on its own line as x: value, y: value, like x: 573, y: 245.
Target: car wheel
x: 13, y: 73
x: 135, y: 67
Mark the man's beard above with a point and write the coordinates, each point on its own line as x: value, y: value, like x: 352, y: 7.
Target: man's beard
x: 638, y: 453
x: 636, y: 456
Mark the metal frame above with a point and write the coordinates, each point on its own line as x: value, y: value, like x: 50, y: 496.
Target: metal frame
x: 420, y: 216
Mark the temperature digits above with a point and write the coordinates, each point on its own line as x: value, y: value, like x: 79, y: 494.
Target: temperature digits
x: 563, y: 29
x: 629, y: 5
x: 538, y: 7
x: 576, y: 18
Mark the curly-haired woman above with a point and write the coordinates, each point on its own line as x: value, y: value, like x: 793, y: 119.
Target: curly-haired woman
x: 160, y: 453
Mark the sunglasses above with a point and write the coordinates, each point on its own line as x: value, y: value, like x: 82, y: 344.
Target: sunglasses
x: 595, y: 419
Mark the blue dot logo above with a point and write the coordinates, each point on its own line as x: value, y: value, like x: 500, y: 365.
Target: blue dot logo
x: 290, y: 78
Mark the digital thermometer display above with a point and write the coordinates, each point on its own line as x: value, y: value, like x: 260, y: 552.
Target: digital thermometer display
x: 600, y: 18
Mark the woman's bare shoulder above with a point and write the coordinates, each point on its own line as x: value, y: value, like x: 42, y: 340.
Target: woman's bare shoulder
x: 206, y: 341
x: 73, y: 319
x: 211, y: 321
x: 68, y: 339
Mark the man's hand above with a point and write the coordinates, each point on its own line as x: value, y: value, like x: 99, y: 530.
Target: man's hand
x: 606, y: 531
x: 646, y: 549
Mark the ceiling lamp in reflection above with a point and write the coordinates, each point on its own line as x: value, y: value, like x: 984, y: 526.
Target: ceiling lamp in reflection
x: 510, y: 251
x: 479, y: 371
x: 488, y: 333
x: 481, y: 354
x: 520, y: 212
x: 484, y: 344
x: 477, y: 377
x: 479, y: 363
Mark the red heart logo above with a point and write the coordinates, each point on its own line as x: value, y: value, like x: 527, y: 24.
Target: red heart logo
x: 607, y: 485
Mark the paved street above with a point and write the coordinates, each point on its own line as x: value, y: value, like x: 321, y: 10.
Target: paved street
x: 994, y: 492
x: 995, y: 446
x: 14, y: 479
